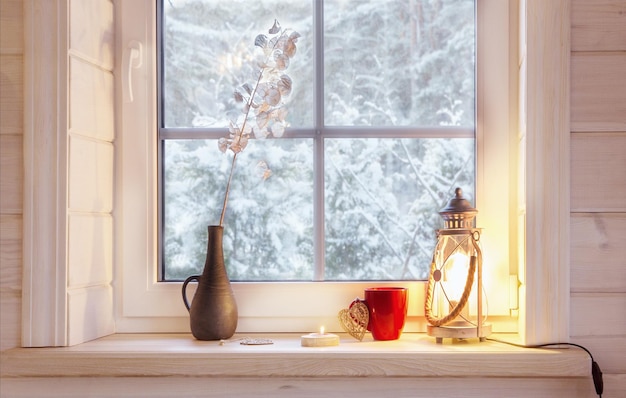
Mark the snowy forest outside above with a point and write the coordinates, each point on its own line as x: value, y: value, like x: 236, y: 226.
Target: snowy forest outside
x: 395, y: 127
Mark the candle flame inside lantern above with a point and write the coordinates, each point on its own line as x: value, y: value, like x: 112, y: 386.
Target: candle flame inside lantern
x: 455, y: 275
x: 321, y: 329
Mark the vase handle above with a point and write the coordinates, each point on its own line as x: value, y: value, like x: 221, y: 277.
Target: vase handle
x: 192, y: 277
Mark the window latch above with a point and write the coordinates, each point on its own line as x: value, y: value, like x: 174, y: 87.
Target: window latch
x: 131, y: 59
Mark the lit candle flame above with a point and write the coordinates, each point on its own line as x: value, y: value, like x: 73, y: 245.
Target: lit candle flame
x: 321, y: 329
x: 456, y: 271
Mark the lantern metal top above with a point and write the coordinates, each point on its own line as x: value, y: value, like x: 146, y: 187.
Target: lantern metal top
x: 459, y: 212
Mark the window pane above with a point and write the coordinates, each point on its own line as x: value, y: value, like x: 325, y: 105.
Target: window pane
x: 399, y: 62
x: 207, y: 49
x: 387, y: 63
x: 268, y: 231
x: 382, y: 202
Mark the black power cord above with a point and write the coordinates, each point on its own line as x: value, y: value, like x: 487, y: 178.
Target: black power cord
x: 596, y: 372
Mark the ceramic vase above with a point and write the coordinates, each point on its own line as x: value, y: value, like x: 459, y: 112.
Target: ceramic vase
x: 213, y: 310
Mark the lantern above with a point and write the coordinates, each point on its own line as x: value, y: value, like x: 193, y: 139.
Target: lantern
x: 456, y: 271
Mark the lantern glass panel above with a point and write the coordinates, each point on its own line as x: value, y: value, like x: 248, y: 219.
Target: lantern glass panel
x: 452, y: 258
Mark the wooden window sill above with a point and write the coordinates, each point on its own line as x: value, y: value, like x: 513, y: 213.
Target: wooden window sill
x: 414, y: 355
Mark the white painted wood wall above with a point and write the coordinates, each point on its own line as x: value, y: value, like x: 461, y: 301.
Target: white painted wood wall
x: 11, y: 170
x: 65, y: 177
x: 90, y: 171
x: 598, y: 182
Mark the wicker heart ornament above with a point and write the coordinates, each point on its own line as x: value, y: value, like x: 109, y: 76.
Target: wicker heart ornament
x: 354, y: 319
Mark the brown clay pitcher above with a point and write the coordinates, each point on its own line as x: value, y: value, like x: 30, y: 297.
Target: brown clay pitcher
x: 213, y: 310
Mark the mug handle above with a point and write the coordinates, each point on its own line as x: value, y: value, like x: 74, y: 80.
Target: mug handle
x: 192, y: 277
x: 369, y: 322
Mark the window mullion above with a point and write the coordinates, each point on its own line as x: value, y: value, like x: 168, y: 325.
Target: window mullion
x: 318, y: 145
x: 398, y: 132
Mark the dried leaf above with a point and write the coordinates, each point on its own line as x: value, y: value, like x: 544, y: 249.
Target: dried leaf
x: 238, y: 96
x: 261, y: 88
x: 258, y: 102
x: 233, y: 128
x: 243, y: 142
x: 275, y: 28
x: 280, y: 114
x: 222, y: 144
x: 280, y: 43
x: 273, y: 43
x: 262, y: 119
x: 278, y: 129
x: 290, y: 48
x: 263, y: 107
x: 287, y: 46
x: 235, y: 147
x: 284, y: 85
x: 267, y: 94
x: 282, y: 61
x: 260, y: 41
x: 247, y: 87
x: 272, y: 96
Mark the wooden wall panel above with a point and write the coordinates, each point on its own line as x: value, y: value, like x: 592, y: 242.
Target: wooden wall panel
x: 11, y: 170
x: 598, y: 172
x: 598, y: 175
x: 598, y: 100
x: 90, y: 175
x: 598, y: 252
x: 92, y: 310
x: 11, y: 251
x: 11, y: 94
x: 91, y: 100
x: 599, y: 25
x: 91, y: 166
x: 10, y: 319
x: 10, y: 280
x: 90, y: 250
x: 598, y: 314
x: 11, y: 26
x: 598, y: 322
x: 608, y: 351
x: 91, y: 32
x: 11, y: 174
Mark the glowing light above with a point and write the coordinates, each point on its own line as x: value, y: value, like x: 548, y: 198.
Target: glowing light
x: 455, y: 275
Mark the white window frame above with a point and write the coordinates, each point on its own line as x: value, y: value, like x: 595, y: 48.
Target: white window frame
x: 145, y: 301
x: 542, y: 183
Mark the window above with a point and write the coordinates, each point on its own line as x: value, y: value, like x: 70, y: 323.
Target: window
x: 381, y: 132
x: 142, y: 304
x: 147, y: 304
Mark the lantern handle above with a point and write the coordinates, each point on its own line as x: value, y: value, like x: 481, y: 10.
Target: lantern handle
x: 462, y: 301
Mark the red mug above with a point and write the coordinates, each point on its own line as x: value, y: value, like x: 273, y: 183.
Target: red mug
x: 387, y: 308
